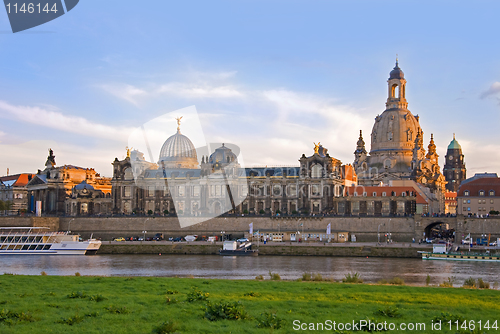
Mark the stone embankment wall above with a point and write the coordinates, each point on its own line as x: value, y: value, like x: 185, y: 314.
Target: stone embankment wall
x: 402, y: 229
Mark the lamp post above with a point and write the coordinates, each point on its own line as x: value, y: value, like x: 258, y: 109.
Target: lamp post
x: 144, y: 230
x: 222, y: 236
x: 378, y: 232
x: 69, y: 224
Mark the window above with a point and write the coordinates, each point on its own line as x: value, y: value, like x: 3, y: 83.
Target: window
x: 465, y: 209
x: 126, y: 191
x: 481, y: 192
x: 365, y: 194
x: 384, y: 194
x: 403, y: 194
x: 466, y: 193
x: 316, y: 171
x: 292, y: 190
x: 491, y: 201
x: 276, y: 190
x: 355, y: 194
x: 196, y: 191
x: 180, y: 190
x: 151, y: 191
x: 492, y: 192
x: 479, y: 201
x: 468, y: 208
x: 315, y: 190
x: 465, y: 201
x: 374, y: 194
x: 468, y: 201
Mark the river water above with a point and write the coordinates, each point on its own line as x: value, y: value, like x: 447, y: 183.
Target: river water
x: 413, y: 271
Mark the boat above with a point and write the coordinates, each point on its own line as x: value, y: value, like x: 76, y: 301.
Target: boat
x: 38, y: 241
x: 233, y: 248
x: 443, y: 252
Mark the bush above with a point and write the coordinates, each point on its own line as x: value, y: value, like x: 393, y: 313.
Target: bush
x: 165, y: 328
x: 78, y: 294
x: 172, y: 292
x: 397, y: 281
x: 245, y: 212
x: 196, y: 294
x: 165, y: 212
x: 274, y: 276
x: 78, y: 274
x: 383, y: 281
x: 150, y: 212
x: 448, y: 283
x: 270, y: 320
x: 482, y: 285
x: 252, y: 294
x: 317, y: 277
x: 97, y: 298
x: 306, y: 277
x: 10, y: 317
x: 390, y: 312
x: 444, y: 317
x: 262, y: 211
x: 43, y: 273
x: 259, y: 278
x: 117, y: 310
x: 72, y: 320
x: 428, y: 280
x: 225, y: 311
x: 294, y: 212
x: 470, y: 283
x: 352, y: 278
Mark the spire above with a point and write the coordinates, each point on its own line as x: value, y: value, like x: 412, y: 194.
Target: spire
x: 361, y: 144
x: 431, y: 147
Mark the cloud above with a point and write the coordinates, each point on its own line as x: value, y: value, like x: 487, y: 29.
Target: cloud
x: 494, y: 89
x: 198, y: 90
x: 43, y: 116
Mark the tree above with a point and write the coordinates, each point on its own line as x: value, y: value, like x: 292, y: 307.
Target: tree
x: 165, y: 212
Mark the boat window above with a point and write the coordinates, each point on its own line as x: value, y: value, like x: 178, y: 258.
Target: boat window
x: 26, y: 247
x: 32, y: 247
x: 46, y: 247
x: 39, y: 247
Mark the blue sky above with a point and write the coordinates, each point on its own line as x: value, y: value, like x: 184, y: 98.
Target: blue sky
x: 269, y: 76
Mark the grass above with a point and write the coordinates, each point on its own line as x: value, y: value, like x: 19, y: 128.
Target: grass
x: 54, y: 304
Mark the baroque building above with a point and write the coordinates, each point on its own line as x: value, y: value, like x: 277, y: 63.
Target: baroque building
x: 13, y: 192
x: 397, y: 150
x: 52, y: 186
x: 454, y: 169
x: 219, y: 184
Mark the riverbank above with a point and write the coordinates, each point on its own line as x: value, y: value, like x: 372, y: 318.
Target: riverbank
x: 60, y: 304
x: 400, y: 250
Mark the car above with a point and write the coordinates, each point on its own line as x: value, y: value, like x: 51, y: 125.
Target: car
x: 119, y: 239
x: 242, y: 240
x: 494, y: 244
x: 178, y: 239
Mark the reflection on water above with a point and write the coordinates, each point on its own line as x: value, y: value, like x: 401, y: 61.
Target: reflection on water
x: 413, y: 271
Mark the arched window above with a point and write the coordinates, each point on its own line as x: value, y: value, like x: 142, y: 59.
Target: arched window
x: 492, y: 192
x: 316, y: 171
x: 466, y: 193
x: 481, y: 192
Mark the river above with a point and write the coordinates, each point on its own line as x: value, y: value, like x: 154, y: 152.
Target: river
x: 413, y: 271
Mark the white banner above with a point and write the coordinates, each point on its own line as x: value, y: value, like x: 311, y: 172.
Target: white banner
x: 329, y: 229
x: 251, y: 228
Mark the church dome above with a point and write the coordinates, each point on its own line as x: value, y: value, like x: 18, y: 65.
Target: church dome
x: 395, y: 129
x: 178, y: 152
x: 396, y: 73
x: 222, y: 155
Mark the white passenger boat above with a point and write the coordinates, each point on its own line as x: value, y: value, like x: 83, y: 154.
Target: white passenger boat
x: 36, y: 240
x: 442, y: 252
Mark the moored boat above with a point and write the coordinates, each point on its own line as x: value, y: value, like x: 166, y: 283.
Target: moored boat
x: 37, y: 241
x: 442, y: 252
x: 231, y: 248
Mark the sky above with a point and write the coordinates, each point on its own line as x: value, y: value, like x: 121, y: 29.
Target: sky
x: 271, y: 77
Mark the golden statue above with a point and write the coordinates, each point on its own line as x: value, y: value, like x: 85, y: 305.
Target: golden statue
x: 128, y: 151
x: 179, y: 123
x: 316, y: 147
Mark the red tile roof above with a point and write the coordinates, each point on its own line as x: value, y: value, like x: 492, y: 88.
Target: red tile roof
x: 379, y: 190
x: 21, y: 179
x: 485, y: 183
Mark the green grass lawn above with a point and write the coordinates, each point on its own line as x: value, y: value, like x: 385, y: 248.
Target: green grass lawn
x: 72, y: 304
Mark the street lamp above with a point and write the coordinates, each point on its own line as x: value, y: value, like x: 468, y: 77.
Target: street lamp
x: 378, y: 232
x: 222, y: 235
x: 69, y: 224
x: 144, y: 230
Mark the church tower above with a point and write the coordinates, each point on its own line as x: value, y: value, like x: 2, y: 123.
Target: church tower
x: 392, y: 138
x: 454, y: 169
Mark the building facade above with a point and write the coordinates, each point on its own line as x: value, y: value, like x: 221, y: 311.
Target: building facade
x: 479, y: 195
x: 14, y: 193
x: 177, y: 183
x: 54, y: 185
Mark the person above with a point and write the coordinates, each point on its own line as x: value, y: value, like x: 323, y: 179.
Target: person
x: 413, y: 240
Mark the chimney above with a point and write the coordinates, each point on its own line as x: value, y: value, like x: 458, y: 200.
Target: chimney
x: 7, y: 172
